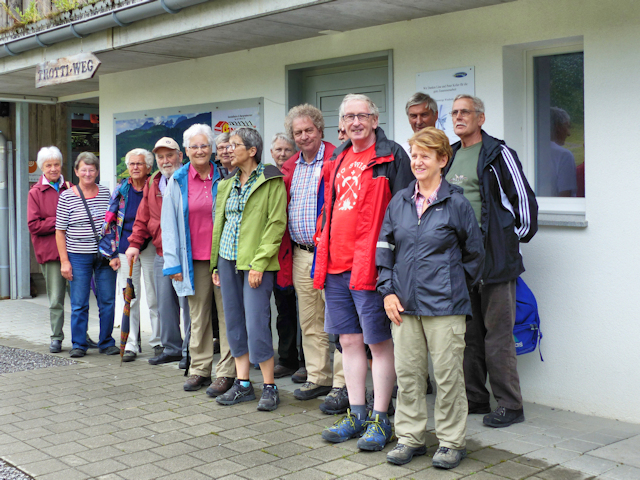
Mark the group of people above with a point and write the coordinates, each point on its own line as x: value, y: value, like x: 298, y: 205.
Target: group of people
x: 390, y: 252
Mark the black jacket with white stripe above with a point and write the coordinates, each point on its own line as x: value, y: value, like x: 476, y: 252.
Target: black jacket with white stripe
x: 509, y: 213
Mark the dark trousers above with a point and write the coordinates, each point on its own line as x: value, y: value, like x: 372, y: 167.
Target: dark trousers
x: 490, y: 346
x: 287, y: 326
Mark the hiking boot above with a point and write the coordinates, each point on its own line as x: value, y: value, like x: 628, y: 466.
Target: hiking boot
x: 391, y: 410
x: 195, y: 382
x: 157, y: 350
x: 113, y: 350
x: 56, y: 346
x: 219, y: 386
x: 300, y: 376
x: 270, y: 398
x: 183, y: 364
x: 448, y: 457
x: 503, y: 417
x: 376, y: 436
x: 402, y: 454
x: 336, y: 402
x: 311, y: 390
x: 475, y: 407
x: 236, y: 394
x: 128, y: 356
x: 164, y: 358
x: 344, y: 429
x: 280, y: 371
x: 216, y: 346
x: 91, y: 343
x: 77, y: 353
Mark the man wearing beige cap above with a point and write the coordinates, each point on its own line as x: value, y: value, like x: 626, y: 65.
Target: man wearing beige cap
x: 147, y: 228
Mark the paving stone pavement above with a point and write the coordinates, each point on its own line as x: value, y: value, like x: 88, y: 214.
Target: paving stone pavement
x: 97, y: 419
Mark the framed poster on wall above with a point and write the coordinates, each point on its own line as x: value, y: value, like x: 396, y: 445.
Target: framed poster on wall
x: 143, y: 129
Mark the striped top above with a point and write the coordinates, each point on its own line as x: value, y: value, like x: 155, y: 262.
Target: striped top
x: 72, y: 217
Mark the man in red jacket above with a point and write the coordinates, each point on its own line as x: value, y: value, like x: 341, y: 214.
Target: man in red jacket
x: 366, y: 172
x: 305, y: 124
x: 147, y: 227
x: 41, y: 218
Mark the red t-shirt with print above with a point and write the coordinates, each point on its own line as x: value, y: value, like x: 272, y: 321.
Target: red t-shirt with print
x: 344, y: 218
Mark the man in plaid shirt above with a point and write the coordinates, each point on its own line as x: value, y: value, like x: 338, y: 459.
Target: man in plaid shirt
x: 305, y: 125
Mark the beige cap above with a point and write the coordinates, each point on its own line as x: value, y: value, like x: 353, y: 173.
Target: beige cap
x: 166, y: 142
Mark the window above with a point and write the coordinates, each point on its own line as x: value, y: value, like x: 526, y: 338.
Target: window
x: 555, y: 116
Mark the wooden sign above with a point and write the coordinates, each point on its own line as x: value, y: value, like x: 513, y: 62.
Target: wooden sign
x: 67, y: 69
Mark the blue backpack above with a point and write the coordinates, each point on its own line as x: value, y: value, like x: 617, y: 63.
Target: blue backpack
x: 526, y: 331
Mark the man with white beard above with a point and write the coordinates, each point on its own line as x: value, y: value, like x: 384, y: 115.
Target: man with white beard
x: 147, y: 228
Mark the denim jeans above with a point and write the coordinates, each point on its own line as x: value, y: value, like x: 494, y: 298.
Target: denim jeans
x: 83, y: 267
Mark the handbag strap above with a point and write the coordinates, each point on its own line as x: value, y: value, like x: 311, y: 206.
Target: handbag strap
x: 93, y: 225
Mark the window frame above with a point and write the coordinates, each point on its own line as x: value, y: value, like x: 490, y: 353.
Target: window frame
x: 548, y: 206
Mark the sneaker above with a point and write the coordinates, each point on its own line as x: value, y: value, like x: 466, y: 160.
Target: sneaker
x: 376, y: 436
x: 196, y: 382
x: 336, y: 402
x: 503, y: 417
x: 157, y: 350
x: 311, y: 390
x: 77, y: 353
x: 300, y: 376
x: 346, y: 428
x: 475, y: 407
x: 113, y: 350
x: 391, y: 410
x: 236, y: 394
x: 128, y: 356
x: 270, y: 398
x: 56, y: 346
x: 402, y: 454
x: 219, y: 386
x: 448, y: 457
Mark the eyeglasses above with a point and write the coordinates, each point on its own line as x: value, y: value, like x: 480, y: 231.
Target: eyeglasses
x: 233, y: 146
x: 342, y: 131
x: 221, y: 148
x: 137, y: 165
x: 195, y: 148
x: 463, y: 113
x: 350, y: 117
x: 85, y: 171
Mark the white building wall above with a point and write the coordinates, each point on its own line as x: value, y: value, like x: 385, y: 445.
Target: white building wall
x: 586, y: 280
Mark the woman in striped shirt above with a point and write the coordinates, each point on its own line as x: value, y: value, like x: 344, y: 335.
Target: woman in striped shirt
x: 79, y: 256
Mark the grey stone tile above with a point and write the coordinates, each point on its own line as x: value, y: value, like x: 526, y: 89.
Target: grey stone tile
x: 553, y: 456
x: 494, y: 436
x: 254, y: 459
x: 89, y: 442
x: 562, y: 432
x: 26, y: 457
x: 312, y: 441
x: 276, y: 437
x: 626, y: 452
x: 237, y: 433
x: 246, y: 445
x: 143, y: 472
x: 214, y: 453
x: 385, y: 470
x: 63, y: 449
x: 437, y: 474
x: 591, y: 465
x: 284, y: 450
x: 264, y: 472
x: 173, y: 449
x: 179, y: 463
x: 66, y: 474
x: 562, y: 473
x: 469, y: 466
x: 341, y: 467
x: 103, y: 467
x: 101, y: 453
x: 513, y: 470
x: 295, y: 463
x: 133, y: 433
x: 326, y: 453
x: 73, y: 460
x: 309, y: 474
x: 491, y: 456
x: 575, y: 445
x: 518, y: 447
x: 135, y: 445
x: 139, y: 458
x: 186, y: 475
x: 622, y: 472
x: 597, y: 437
x: 220, y: 468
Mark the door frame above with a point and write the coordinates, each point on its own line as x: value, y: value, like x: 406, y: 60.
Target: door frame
x: 293, y: 79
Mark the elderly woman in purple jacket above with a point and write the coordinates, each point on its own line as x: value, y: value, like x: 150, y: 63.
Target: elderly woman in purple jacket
x: 430, y: 251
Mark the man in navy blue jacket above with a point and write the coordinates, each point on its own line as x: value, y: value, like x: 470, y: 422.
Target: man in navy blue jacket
x: 507, y: 212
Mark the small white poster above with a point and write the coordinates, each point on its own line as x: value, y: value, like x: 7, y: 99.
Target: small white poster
x: 443, y: 86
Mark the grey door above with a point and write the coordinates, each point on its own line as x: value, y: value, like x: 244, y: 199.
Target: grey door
x: 326, y: 87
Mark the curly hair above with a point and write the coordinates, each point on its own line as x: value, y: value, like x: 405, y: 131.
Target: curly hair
x: 304, y: 110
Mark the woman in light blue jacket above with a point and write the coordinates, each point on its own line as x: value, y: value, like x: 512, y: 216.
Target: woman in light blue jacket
x: 187, y: 226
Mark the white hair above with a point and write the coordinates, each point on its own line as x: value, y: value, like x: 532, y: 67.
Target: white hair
x: 140, y: 152
x: 286, y: 138
x: 48, y: 153
x: 352, y: 97
x: 197, y: 129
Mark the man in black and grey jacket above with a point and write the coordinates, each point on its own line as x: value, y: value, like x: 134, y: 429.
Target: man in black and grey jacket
x: 507, y: 211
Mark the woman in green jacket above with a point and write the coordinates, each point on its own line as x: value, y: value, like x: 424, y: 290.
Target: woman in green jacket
x: 250, y: 219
